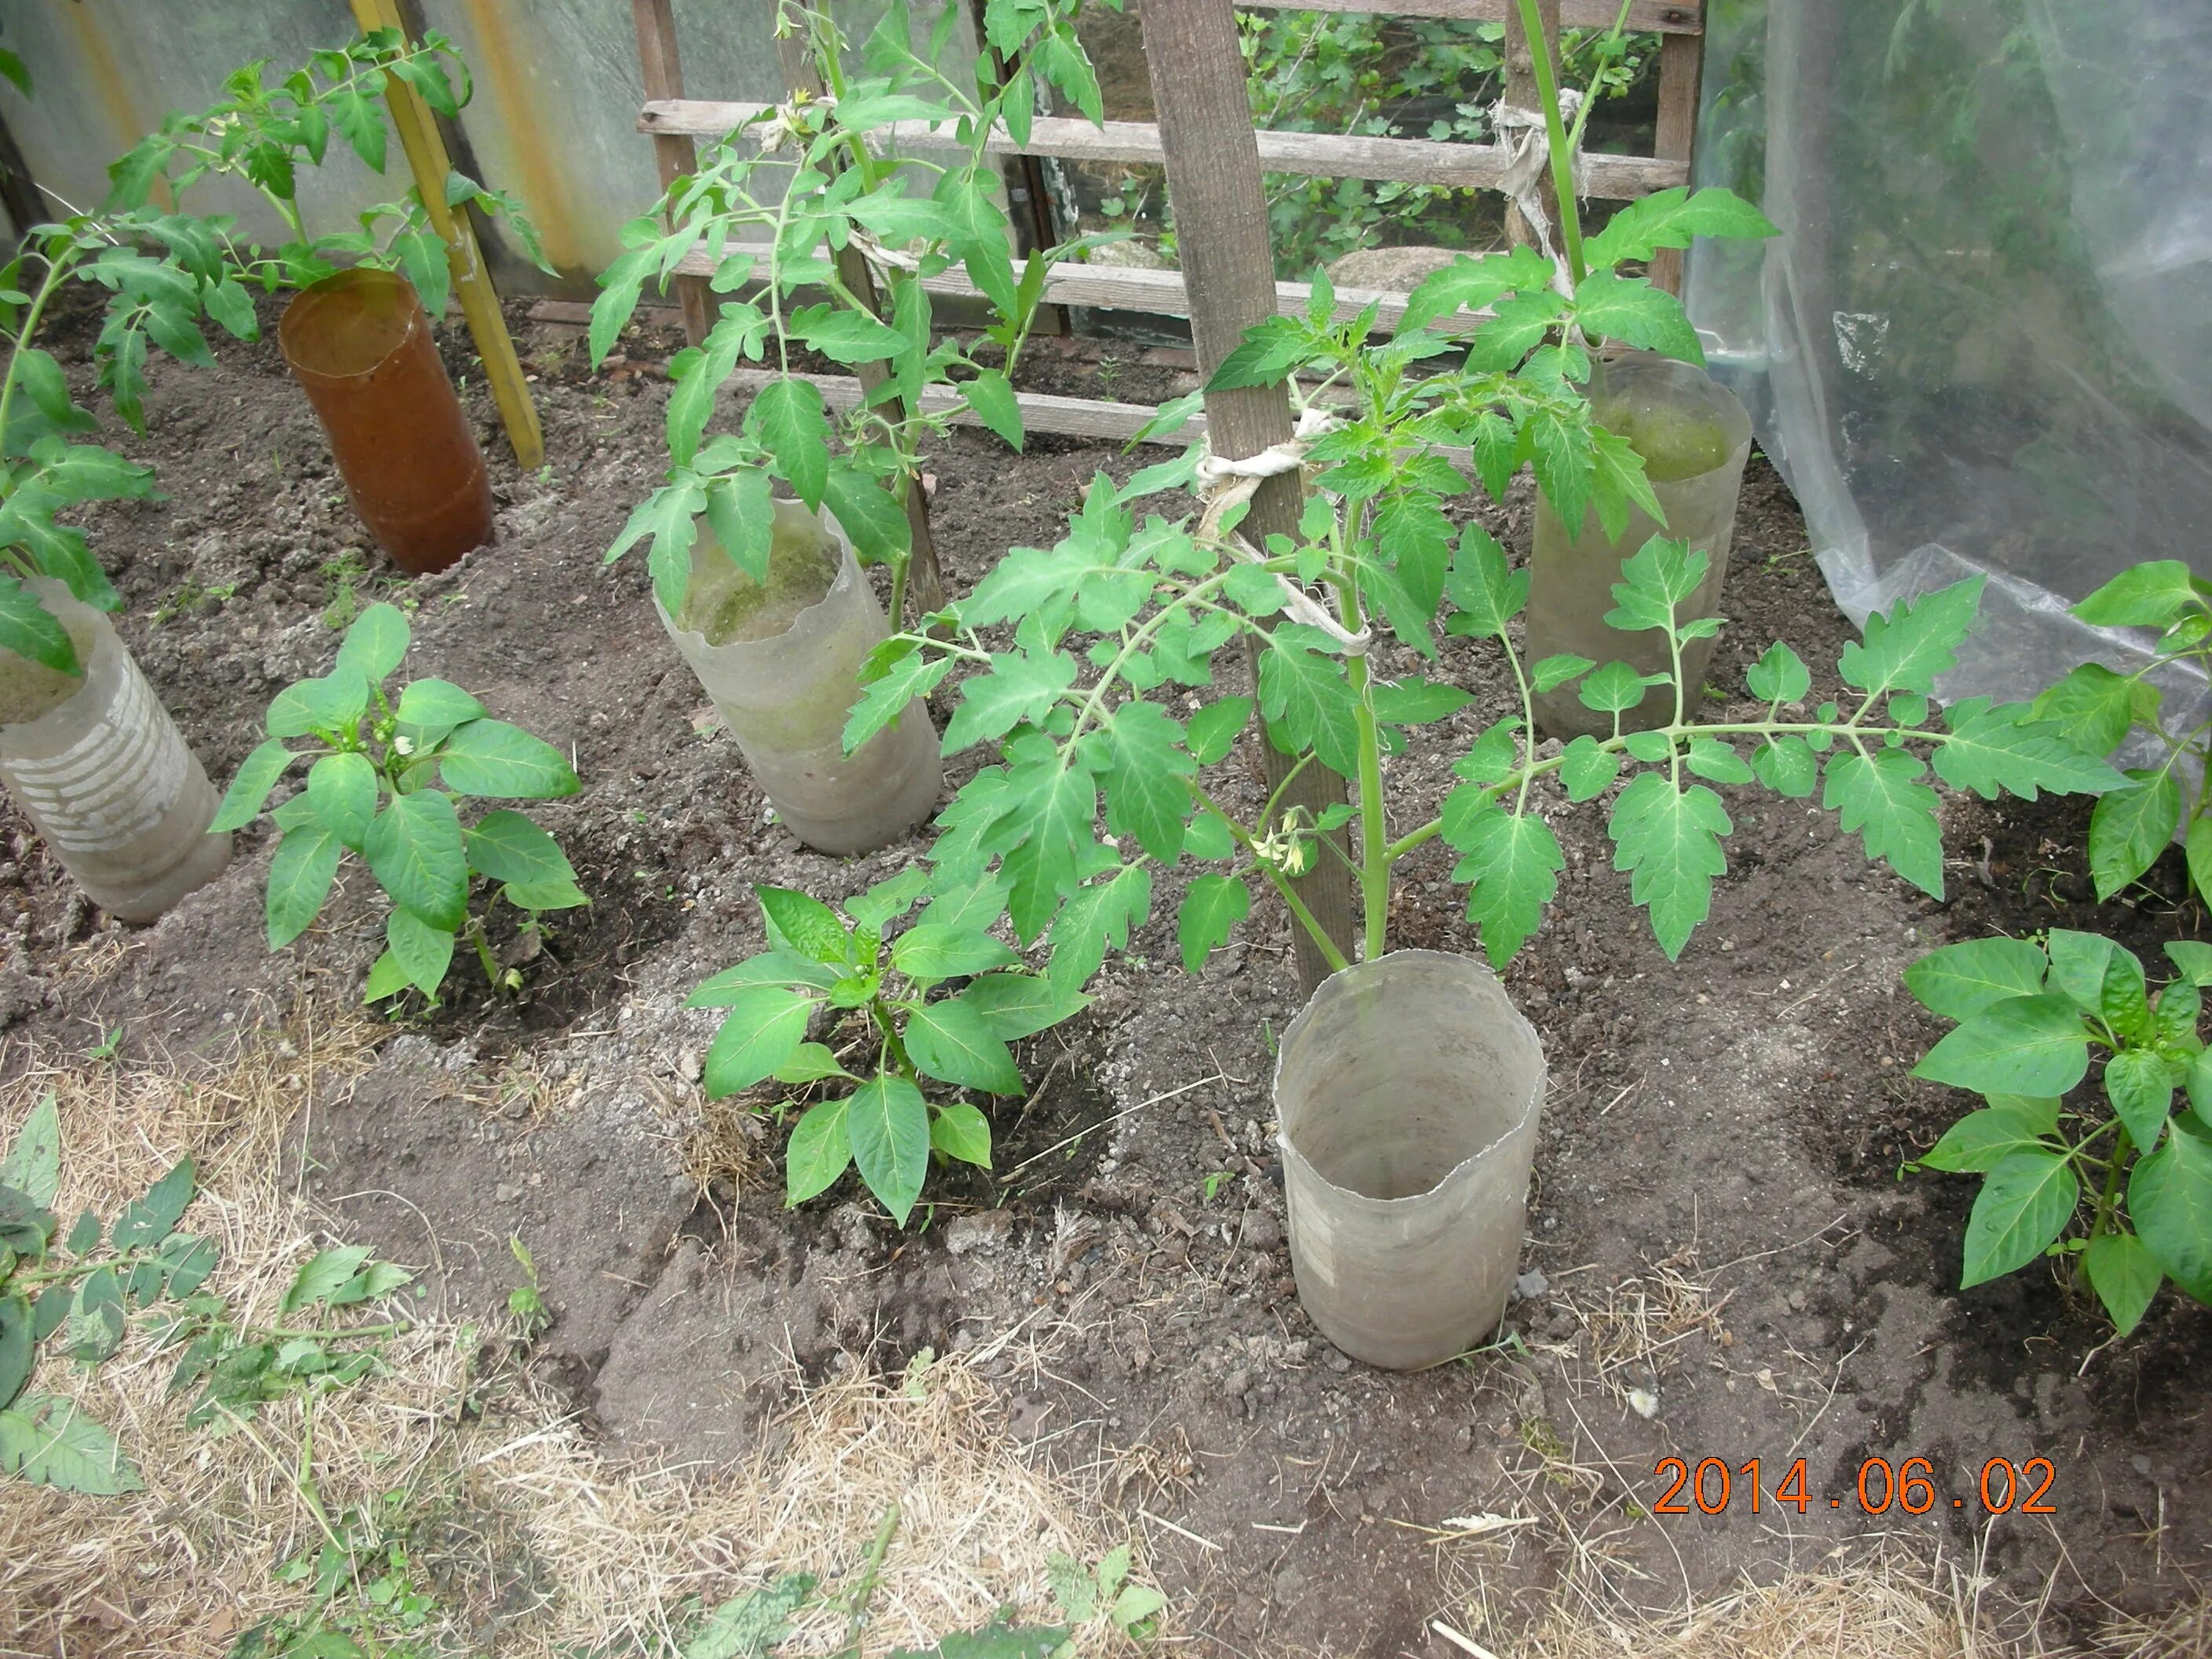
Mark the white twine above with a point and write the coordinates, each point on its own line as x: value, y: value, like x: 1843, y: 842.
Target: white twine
x: 1223, y: 483
x: 1527, y: 146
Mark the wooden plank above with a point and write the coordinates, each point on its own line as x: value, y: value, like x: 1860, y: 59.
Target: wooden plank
x: 1645, y: 16
x: 1124, y: 287
x: 1309, y: 154
x: 1681, y: 61
x: 675, y: 155
x: 1071, y: 417
x: 1214, y: 162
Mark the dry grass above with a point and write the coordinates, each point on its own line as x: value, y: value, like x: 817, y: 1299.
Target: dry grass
x: 534, y: 1539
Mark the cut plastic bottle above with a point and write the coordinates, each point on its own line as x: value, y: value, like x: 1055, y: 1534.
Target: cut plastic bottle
x: 1407, y: 1092
x: 1694, y: 438
x: 360, y: 346
x: 101, y: 771
x: 781, y: 662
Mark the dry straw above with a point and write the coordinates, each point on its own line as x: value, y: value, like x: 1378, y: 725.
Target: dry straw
x: 534, y: 1538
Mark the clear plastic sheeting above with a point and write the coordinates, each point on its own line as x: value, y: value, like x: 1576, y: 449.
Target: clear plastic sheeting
x: 1984, y: 341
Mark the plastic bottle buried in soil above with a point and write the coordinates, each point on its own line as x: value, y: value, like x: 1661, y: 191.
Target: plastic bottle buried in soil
x: 781, y: 662
x: 1694, y: 438
x: 1407, y: 1092
x: 100, y: 769
x: 361, y: 348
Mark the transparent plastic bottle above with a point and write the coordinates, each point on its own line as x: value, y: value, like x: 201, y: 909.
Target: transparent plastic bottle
x: 1407, y: 1092
x: 782, y: 665
x: 101, y: 771
x: 1694, y: 438
x: 360, y: 347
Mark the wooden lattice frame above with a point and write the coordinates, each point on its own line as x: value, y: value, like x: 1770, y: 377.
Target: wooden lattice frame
x: 674, y: 122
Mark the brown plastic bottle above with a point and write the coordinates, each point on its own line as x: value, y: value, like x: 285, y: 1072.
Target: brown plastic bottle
x: 360, y: 345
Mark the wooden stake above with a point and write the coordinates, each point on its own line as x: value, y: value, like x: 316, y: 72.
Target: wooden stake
x: 427, y: 160
x: 663, y: 70
x: 1197, y: 71
x: 1521, y: 94
x: 1029, y: 201
x: 1681, y: 62
x: 925, y: 581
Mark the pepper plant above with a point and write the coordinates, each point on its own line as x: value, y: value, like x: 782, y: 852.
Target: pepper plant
x: 767, y: 205
x: 2120, y: 1189
x: 2101, y: 710
x: 876, y: 1115
x: 370, y: 790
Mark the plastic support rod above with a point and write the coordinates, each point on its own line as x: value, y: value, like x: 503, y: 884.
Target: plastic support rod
x: 1197, y: 70
x: 427, y: 160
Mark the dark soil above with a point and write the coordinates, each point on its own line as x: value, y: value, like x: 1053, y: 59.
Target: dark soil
x: 1717, y: 1232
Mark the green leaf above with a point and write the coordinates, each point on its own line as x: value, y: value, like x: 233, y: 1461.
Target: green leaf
x: 820, y: 1152
x: 505, y: 846
x: 1905, y: 650
x: 386, y: 978
x: 1710, y: 758
x: 1307, y: 702
x: 741, y: 512
x: 1268, y: 351
x: 1672, y: 218
x: 996, y: 1640
x: 888, y: 900
x: 809, y: 1062
x: 375, y: 645
x: 2170, y: 1200
x: 990, y: 396
x: 2125, y: 1277
x: 18, y: 1346
x: 953, y: 1043
x: 670, y: 516
x: 888, y: 1123
x: 2024, y: 1045
x: 300, y: 873
x: 2141, y: 1088
x: 423, y: 952
x: 805, y: 925
x: 1015, y: 1005
x: 2003, y: 749
x: 1960, y: 981
x: 1513, y: 859
x: 342, y: 791
x: 323, y: 1277
x: 1779, y: 676
x: 870, y: 514
x: 495, y: 761
x: 2093, y: 707
x: 968, y: 906
x: 932, y: 951
x: 2024, y: 1205
x: 761, y: 1032
x: 29, y: 630
x: 1021, y: 686
x: 2196, y: 848
x: 1587, y: 770
x: 1097, y: 918
x: 2129, y: 827
x: 1670, y: 839
x: 962, y: 1131
x: 1472, y: 283
x: 909, y: 675
x: 1982, y: 1140
x: 1612, y: 687
x: 842, y: 333
x: 329, y: 704
x: 249, y: 790
x: 788, y: 418
x: 1212, y: 906
x: 2192, y: 959
x: 34, y: 1164
x: 1554, y: 672
x: 1879, y: 798
x: 1212, y: 733
x: 416, y: 850
x: 1416, y: 702
x: 2080, y: 964
x: 1481, y: 585
x: 1147, y: 794
x: 50, y: 1441
x: 432, y: 708
x: 1630, y: 309
x: 2148, y: 595
x: 769, y: 968
x: 148, y: 1220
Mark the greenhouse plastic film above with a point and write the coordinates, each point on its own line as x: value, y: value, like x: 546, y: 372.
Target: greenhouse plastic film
x: 1985, y: 333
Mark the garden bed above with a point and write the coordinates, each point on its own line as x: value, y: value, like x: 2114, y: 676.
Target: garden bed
x: 1716, y: 1223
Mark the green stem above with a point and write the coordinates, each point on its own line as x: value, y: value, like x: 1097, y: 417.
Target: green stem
x: 476, y: 937
x: 856, y: 1617
x: 1276, y: 878
x: 898, y: 585
x: 55, y: 268
x: 894, y: 1045
x: 2108, y: 1200
x: 1555, y: 137
x: 1374, y: 868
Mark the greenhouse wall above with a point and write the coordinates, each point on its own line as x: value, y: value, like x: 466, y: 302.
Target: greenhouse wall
x: 553, y: 121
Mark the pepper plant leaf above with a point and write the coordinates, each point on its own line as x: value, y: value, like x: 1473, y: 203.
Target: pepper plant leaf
x: 2024, y: 1205
x: 887, y: 1121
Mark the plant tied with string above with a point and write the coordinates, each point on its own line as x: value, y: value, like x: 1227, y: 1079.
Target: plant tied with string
x: 769, y: 211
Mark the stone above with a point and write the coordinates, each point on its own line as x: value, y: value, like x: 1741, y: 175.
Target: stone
x: 1393, y: 270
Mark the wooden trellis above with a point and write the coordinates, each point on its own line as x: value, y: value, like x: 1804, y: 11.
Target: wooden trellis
x: 675, y: 121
